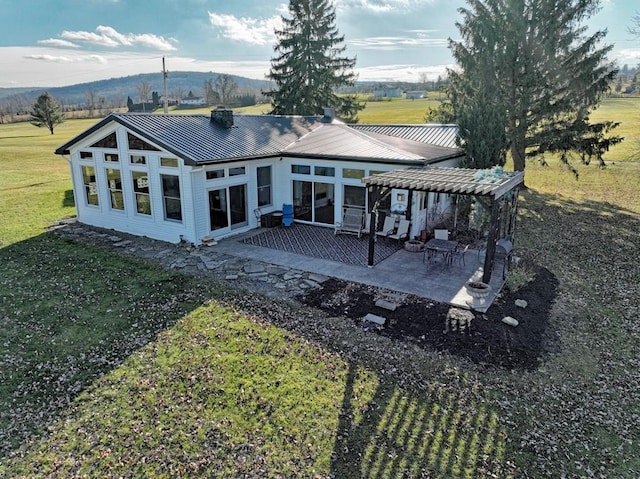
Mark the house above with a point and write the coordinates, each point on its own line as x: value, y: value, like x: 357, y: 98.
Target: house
x: 388, y: 93
x: 193, y: 101
x: 415, y: 95
x: 188, y: 177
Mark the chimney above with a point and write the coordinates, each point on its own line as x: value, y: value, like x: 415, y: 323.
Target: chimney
x: 222, y: 116
x: 329, y: 115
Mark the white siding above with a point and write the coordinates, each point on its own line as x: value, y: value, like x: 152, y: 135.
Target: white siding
x: 153, y: 226
x: 194, y: 188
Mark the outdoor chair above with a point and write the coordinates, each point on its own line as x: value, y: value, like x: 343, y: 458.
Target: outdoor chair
x: 458, y: 254
x: 352, y: 222
x: 388, y: 227
x: 402, y: 232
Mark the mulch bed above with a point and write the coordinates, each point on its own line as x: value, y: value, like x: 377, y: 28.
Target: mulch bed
x: 422, y: 322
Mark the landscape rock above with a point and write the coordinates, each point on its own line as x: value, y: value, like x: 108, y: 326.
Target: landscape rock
x: 372, y: 318
x: 510, y: 321
x: 521, y: 303
x: 381, y: 303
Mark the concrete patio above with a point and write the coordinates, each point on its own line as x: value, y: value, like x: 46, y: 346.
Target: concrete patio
x: 403, y: 271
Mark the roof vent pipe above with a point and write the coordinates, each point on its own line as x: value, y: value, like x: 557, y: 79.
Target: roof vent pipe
x: 222, y: 116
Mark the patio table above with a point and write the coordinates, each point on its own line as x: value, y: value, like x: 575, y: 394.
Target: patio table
x: 435, y: 246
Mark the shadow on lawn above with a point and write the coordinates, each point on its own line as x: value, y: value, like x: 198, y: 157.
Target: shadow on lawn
x: 403, y: 434
x: 71, y: 313
x: 587, y: 243
x: 68, y: 201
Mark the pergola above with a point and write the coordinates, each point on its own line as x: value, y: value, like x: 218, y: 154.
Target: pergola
x: 500, y: 189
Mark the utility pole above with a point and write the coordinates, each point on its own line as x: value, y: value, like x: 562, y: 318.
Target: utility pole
x: 165, y: 99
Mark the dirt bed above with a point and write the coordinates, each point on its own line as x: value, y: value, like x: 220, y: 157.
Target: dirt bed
x: 488, y: 341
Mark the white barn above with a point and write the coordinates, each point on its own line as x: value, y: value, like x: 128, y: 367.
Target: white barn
x: 189, y: 177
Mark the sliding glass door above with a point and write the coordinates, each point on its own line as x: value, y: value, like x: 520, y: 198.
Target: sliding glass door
x: 313, y: 201
x: 228, y: 207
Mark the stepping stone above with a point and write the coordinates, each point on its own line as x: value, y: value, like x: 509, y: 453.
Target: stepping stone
x: 253, y: 268
x: 213, y: 264
x: 318, y: 278
x: 381, y: 303
x: 231, y: 276
x: 290, y: 276
x: 311, y: 283
x: 276, y: 270
x: 372, y: 318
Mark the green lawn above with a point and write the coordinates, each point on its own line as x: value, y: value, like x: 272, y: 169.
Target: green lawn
x: 113, y: 367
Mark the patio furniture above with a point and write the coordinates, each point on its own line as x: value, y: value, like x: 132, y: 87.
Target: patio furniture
x: 287, y: 214
x: 352, y: 222
x: 441, y: 234
x: 402, y: 232
x: 388, y: 227
x: 458, y: 254
x: 439, y: 246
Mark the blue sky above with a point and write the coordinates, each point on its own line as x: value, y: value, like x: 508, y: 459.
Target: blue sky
x: 64, y: 42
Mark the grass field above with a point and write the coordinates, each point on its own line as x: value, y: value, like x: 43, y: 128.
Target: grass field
x: 113, y: 367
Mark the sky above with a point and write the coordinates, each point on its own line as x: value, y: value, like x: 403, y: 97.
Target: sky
x: 48, y: 43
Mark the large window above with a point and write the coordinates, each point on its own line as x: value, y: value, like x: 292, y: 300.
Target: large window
x: 354, y: 196
x: 141, y: 189
x: 90, y: 187
x: 264, y: 186
x: 114, y: 181
x: 171, y: 196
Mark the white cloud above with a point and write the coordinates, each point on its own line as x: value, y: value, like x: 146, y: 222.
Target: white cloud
x: 68, y: 59
x: 627, y: 55
x: 57, y: 42
x: 381, y: 6
x: 258, y: 31
x: 109, y: 37
x: 408, y: 73
x: 397, y: 43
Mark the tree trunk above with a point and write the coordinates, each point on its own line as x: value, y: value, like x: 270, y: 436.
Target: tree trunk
x: 517, y: 153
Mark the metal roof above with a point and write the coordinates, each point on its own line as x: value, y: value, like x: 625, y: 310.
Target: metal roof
x: 339, y: 140
x: 197, y: 139
x: 430, y: 133
x: 466, y: 181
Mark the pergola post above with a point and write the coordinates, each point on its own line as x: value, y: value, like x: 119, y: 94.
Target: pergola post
x: 494, y: 225
x: 375, y: 194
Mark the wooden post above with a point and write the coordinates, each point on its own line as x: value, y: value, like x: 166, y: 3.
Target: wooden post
x: 491, y: 242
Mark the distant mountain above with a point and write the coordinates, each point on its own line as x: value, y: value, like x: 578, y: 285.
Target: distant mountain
x: 116, y: 90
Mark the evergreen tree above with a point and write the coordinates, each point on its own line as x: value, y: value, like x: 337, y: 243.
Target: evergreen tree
x: 530, y: 64
x: 309, y: 66
x: 46, y: 112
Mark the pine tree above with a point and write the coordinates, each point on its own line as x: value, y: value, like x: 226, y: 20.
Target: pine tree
x: 537, y: 62
x: 46, y: 112
x: 309, y: 67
